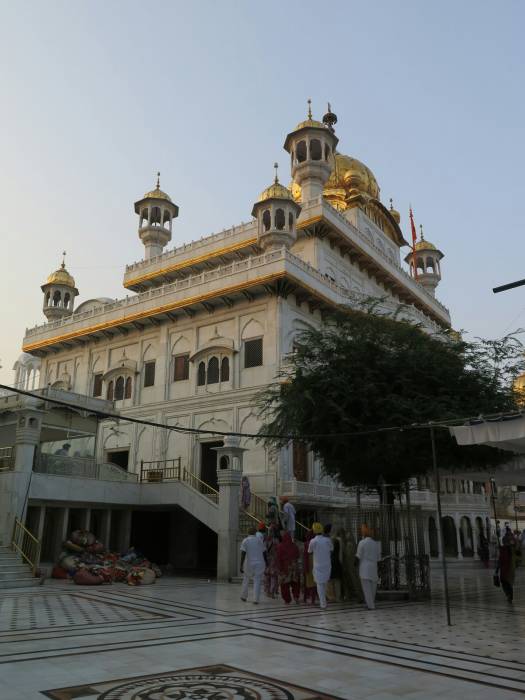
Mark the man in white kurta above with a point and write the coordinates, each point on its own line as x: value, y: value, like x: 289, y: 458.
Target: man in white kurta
x: 369, y: 553
x: 253, y: 564
x: 321, y: 547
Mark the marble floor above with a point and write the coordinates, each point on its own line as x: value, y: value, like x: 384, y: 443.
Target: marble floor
x: 196, y: 640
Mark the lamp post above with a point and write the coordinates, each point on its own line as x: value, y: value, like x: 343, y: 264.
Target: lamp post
x: 514, y: 494
x: 493, y: 499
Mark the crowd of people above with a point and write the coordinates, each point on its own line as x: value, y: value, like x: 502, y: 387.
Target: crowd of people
x: 319, y: 569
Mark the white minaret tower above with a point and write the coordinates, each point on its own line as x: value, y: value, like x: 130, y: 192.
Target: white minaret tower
x: 311, y: 146
x: 276, y: 212
x: 427, y: 267
x: 156, y: 213
x: 59, y: 293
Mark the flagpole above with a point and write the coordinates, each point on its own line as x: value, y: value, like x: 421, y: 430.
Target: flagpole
x: 414, y: 240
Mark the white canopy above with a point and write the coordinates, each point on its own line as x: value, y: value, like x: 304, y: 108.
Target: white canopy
x: 507, y: 433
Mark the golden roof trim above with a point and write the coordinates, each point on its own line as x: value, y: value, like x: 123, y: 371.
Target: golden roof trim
x: 190, y: 261
x: 150, y: 312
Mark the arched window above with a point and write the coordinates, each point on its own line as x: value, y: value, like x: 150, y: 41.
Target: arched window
x: 127, y: 390
x: 300, y: 151
x: 326, y: 151
x: 267, y: 220
x: 119, y: 389
x: 109, y: 393
x: 213, y: 370
x: 290, y: 221
x: 316, y: 151
x: 48, y: 297
x: 56, y: 298
x: 279, y: 219
x: 225, y: 370
x: 144, y: 217
x: 167, y: 219
x: 66, y: 300
x: 224, y: 462
x: 201, y: 374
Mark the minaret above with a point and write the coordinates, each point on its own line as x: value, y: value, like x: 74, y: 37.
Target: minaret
x: 427, y: 264
x: 311, y: 146
x: 276, y: 212
x: 59, y: 293
x: 156, y: 213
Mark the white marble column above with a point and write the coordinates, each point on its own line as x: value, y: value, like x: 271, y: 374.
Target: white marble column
x: 227, y: 533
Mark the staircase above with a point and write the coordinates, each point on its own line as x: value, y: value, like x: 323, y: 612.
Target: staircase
x: 13, y: 572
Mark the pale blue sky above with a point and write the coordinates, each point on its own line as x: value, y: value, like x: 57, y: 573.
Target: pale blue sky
x: 98, y: 96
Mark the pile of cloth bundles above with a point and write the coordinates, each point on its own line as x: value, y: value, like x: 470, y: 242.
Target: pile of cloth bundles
x: 86, y: 561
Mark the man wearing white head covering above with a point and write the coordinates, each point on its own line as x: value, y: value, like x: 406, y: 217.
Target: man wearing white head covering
x: 321, y: 547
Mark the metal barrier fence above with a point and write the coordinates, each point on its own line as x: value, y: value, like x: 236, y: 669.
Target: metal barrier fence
x: 400, y: 529
x: 171, y: 470
x: 81, y: 467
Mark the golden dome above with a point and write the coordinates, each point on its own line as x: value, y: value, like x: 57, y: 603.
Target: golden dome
x: 352, y: 176
x: 310, y: 123
x: 275, y: 191
x: 425, y: 245
x: 61, y: 276
x: 157, y: 193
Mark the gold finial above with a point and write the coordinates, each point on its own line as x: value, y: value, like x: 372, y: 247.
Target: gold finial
x: 158, y: 181
x: 421, y: 232
x: 309, y: 108
x: 276, y: 166
x: 391, y: 204
x: 63, y: 266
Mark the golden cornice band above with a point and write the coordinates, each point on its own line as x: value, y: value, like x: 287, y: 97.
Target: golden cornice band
x: 151, y: 312
x: 191, y: 261
x: 195, y: 300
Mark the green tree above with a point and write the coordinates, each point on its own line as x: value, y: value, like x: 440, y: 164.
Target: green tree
x: 362, y: 371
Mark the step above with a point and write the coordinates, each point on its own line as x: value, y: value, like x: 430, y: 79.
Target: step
x: 9, y: 561
x: 15, y: 573
x: 20, y: 583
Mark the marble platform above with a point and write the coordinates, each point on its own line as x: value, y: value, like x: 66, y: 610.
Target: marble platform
x: 196, y: 640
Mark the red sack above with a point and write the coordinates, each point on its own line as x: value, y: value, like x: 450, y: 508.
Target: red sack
x: 59, y: 572
x: 85, y: 578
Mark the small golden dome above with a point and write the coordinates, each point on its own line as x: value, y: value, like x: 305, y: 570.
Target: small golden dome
x: 275, y: 191
x: 394, y: 213
x: 157, y: 193
x: 425, y: 245
x: 310, y: 123
x: 61, y: 276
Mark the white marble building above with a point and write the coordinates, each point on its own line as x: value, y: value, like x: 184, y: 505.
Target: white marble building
x: 204, y: 326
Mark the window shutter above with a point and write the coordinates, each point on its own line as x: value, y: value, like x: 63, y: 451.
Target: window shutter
x: 181, y: 367
x: 253, y: 352
x: 97, y: 385
x: 149, y: 373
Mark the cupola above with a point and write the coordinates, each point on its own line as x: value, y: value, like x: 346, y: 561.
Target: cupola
x: 426, y: 269
x: 156, y: 212
x: 59, y: 293
x: 276, y: 212
x: 311, y: 145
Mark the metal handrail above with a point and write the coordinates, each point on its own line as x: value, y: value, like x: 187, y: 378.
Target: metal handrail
x: 259, y: 506
x: 26, y: 544
x: 199, y: 485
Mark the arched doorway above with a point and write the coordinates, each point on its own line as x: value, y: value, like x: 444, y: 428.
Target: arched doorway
x: 450, y: 542
x: 433, y: 537
x: 465, y: 536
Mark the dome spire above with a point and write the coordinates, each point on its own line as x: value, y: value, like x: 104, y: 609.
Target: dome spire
x: 63, y: 266
x: 309, y: 108
x: 276, y: 179
x: 421, y: 232
x: 158, y: 180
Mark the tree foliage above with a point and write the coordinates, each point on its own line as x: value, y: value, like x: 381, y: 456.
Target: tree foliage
x: 362, y: 372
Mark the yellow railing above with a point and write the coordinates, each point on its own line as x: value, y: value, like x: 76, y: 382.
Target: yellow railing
x: 199, y: 485
x: 26, y: 544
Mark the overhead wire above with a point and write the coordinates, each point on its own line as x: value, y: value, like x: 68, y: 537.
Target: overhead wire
x: 224, y: 433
